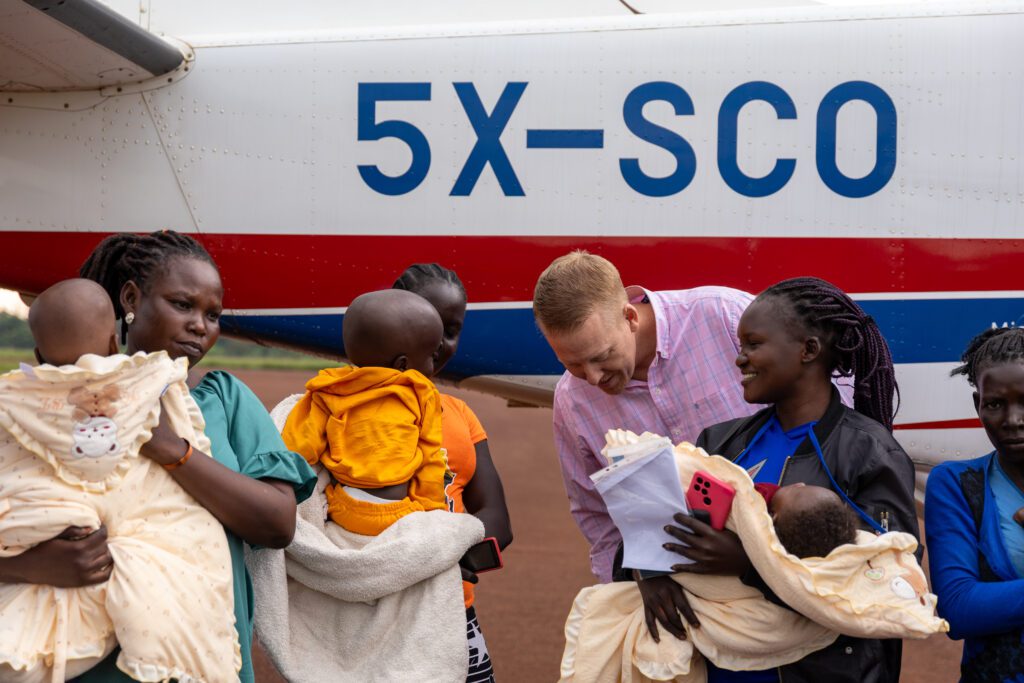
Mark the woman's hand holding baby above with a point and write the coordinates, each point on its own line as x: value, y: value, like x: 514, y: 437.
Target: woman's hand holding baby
x: 260, y: 511
x: 712, y: 551
x: 164, y: 446
x: 77, y: 557
x: 664, y: 600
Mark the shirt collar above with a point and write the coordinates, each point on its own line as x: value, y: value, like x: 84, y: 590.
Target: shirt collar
x: 662, y: 324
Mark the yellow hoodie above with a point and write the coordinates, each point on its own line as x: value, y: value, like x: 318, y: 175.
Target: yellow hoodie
x: 372, y: 427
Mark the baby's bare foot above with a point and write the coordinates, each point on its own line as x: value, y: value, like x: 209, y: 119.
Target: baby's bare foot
x: 1018, y: 516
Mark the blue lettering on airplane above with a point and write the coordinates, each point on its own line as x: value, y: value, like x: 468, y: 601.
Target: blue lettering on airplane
x: 885, y: 143
x: 489, y: 126
x: 369, y: 128
x: 488, y: 149
x: 728, y: 123
x: 673, y: 143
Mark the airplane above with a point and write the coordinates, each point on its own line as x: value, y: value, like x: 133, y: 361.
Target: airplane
x: 317, y: 151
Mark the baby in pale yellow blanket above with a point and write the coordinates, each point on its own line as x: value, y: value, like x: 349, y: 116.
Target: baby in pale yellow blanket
x: 71, y: 431
x: 810, y: 521
x: 805, y: 546
x: 71, y: 319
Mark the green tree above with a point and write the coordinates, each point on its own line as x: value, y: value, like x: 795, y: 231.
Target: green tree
x: 14, y: 333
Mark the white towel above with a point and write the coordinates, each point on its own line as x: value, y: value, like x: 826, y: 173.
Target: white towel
x: 340, y: 606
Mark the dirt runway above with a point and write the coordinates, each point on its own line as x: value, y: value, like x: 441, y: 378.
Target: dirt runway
x: 522, y: 607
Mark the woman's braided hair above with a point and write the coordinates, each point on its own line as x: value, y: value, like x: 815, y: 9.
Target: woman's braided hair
x: 419, y: 275
x: 991, y: 347
x: 851, y: 338
x: 128, y: 257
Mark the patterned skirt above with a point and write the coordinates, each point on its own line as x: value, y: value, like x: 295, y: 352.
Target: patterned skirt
x: 480, y: 668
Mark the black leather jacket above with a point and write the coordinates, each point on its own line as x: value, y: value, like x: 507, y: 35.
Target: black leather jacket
x: 876, y: 473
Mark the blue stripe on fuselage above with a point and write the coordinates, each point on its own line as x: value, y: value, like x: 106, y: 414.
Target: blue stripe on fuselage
x: 493, y: 342
x: 507, y: 342
x: 937, y: 330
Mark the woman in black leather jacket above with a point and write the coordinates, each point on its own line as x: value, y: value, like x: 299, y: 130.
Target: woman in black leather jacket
x: 794, y: 338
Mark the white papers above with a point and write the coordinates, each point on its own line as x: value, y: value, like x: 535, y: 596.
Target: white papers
x: 642, y: 491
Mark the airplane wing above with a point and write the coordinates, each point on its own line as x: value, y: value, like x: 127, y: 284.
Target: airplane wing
x: 48, y: 45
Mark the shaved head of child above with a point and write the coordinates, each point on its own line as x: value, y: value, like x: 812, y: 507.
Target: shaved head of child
x: 811, y: 521
x: 392, y: 328
x: 70, y: 319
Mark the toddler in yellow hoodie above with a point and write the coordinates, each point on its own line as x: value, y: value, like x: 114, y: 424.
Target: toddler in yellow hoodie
x: 376, y: 425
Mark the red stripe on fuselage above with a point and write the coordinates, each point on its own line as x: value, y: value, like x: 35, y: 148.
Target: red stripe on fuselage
x: 312, y: 271
x: 967, y: 423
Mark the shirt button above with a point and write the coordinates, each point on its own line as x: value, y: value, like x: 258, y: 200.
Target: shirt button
x: 848, y: 650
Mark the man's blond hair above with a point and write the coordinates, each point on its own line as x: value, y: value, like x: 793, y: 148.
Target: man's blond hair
x: 573, y: 287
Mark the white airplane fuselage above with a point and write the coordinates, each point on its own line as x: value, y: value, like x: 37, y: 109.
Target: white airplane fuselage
x: 877, y: 148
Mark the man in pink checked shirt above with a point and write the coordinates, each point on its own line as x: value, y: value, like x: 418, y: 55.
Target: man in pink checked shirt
x: 662, y: 362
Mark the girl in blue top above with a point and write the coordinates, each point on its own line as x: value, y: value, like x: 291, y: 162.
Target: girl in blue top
x: 167, y: 291
x: 976, y: 542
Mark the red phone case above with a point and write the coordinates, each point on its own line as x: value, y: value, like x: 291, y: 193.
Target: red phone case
x: 707, y: 493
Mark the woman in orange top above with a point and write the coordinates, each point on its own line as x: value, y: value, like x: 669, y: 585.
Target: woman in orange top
x: 476, y: 488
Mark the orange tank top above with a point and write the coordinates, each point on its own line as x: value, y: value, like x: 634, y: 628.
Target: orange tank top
x: 461, y: 431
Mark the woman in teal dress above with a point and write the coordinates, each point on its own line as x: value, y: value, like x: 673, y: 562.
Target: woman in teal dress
x: 167, y: 292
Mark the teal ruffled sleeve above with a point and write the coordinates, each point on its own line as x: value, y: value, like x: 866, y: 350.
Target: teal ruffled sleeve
x: 284, y: 465
x: 244, y: 437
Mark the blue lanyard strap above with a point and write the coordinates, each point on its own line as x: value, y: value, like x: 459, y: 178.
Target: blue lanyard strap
x: 842, y: 494
x: 878, y: 529
x: 757, y: 437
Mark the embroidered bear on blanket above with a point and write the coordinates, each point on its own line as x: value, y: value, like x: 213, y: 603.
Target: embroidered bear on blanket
x: 94, y: 434
x: 89, y: 402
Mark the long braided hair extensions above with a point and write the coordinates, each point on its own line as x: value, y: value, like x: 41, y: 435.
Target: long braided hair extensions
x: 127, y: 257
x: 851, y: 338
x: 419, y: 275
x: 991, y: 347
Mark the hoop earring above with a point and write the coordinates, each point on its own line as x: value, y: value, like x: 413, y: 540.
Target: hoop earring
x: 129, y: 318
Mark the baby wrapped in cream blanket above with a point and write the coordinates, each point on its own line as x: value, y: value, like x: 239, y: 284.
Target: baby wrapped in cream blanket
x: 69, y: 456
x: 872, y: 589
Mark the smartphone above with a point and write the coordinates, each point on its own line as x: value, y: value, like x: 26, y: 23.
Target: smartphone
x: 701, y: 516
x: 707, y: 493
x: 482, y: 557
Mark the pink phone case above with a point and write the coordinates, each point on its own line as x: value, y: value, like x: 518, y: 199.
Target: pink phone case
x: 707, y: 493
x: 497, y: 551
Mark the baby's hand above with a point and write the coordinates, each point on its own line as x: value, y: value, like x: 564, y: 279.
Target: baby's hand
x: 1018, y: 516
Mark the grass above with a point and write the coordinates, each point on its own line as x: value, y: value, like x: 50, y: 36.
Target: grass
x: 298, y: 362
x: 10, y: 357
x: 234, y: 354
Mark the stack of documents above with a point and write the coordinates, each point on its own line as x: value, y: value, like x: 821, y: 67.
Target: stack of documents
x: 642, y: 491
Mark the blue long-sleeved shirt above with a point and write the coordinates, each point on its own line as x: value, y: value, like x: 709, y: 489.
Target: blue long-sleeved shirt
x: 980, y: 593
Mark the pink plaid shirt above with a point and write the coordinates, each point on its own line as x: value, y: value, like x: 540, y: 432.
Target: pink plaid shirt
x: 693, y: 383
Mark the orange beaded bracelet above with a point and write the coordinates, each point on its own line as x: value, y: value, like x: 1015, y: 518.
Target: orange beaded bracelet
x: 184, y: 458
